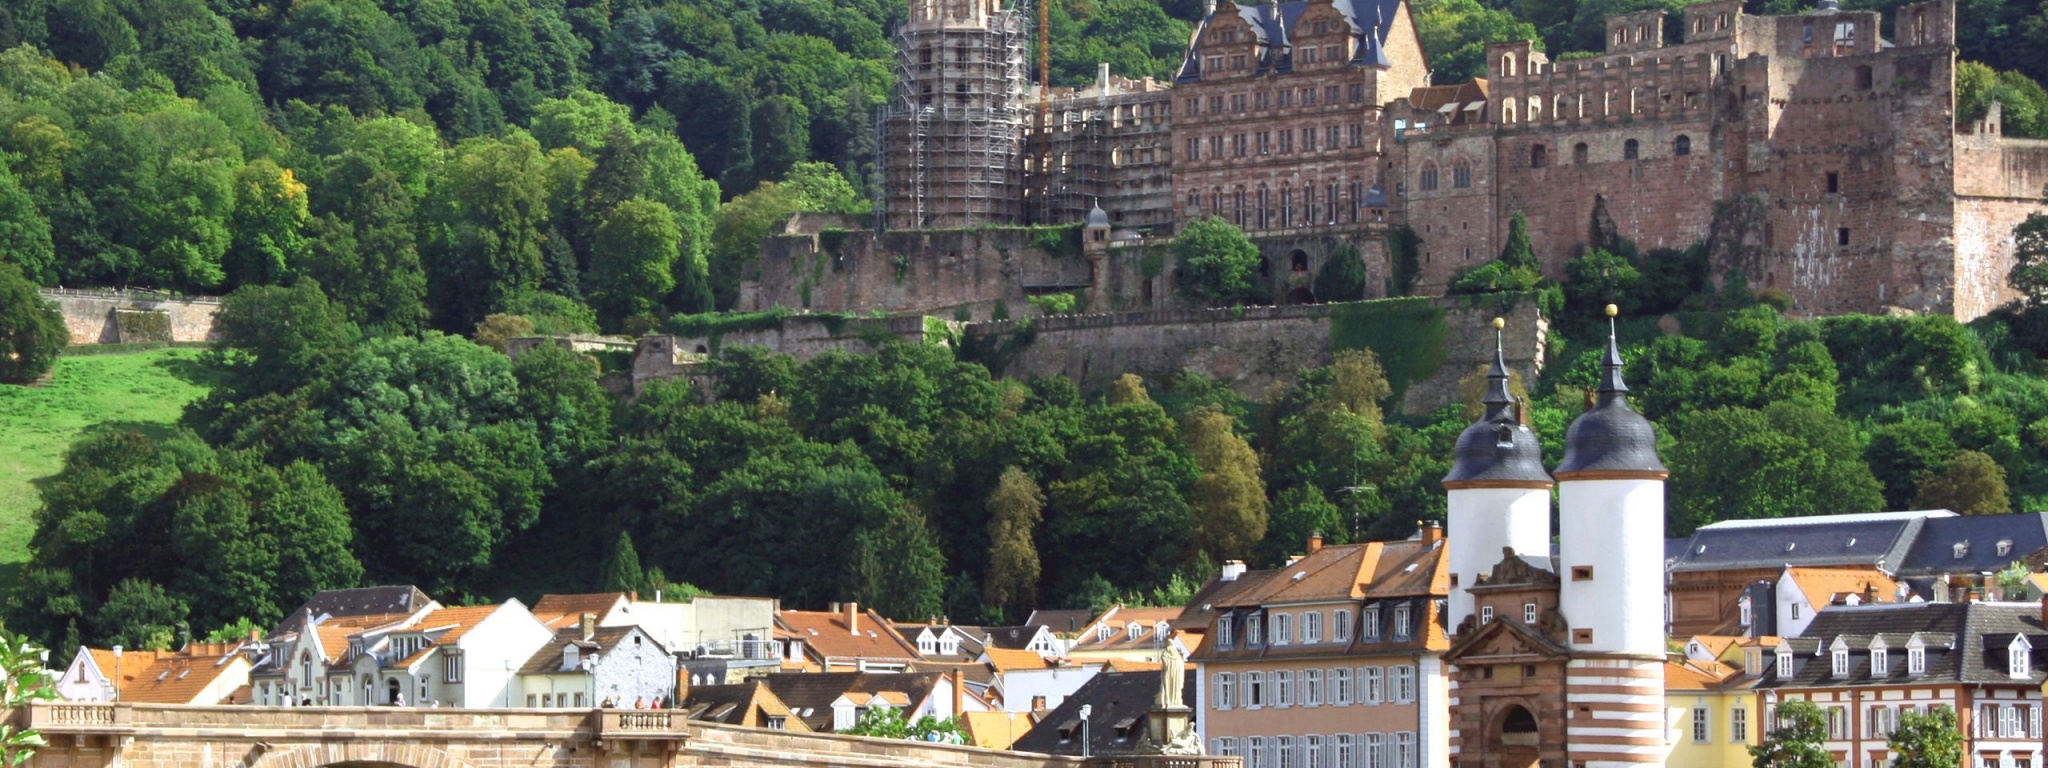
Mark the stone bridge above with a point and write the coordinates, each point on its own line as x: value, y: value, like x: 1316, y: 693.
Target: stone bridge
x: 85, y: 735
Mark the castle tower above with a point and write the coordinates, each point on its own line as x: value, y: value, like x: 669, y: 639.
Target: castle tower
x: 951, y: 142
x: 1610, y: 563
x: 1499, y: 493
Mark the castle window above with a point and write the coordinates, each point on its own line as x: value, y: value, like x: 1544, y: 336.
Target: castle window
x: 1631, y: 149
x: 1428, y: 177
x: 1834, y: 182
x: 1582, y: 573
x: 1539, y: 156
x: 1507, y: 112
x: 1863, y: 78
x: 1682, y: 146
x: 1461, y: 175
x: 1507, y: 65
x: 1297, y: 262
x: 1579, y: 153
x: 1486, y: 614
x: 1842, y: 236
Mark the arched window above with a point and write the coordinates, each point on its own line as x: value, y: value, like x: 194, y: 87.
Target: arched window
x: 1297, y: 262
x: 1286, y: 205
x: 1507, y: 65
x: 1237, y: 206
x: 1579, y: 153
x: 1535, y: 109
x: 1428, y: 177
x: 1682, y: 146
x: 1265, y: 206
x: 1461, y: 175
x: 1561, y: 107
x: 1631, y: 149
x: 1507, y: 111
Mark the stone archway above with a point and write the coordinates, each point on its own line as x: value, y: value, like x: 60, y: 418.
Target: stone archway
x: 1516, y: 737
x: 358, y: 754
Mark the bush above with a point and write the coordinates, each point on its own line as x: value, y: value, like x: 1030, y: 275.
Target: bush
x: 1342, y: 277
x: 1217, y: 262
x: 32, y: 332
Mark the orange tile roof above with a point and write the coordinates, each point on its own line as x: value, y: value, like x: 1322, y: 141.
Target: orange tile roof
x: 553, y: 609
x: 1119, y: 619
x: 168, y: 677
x: 1715, y: 645
x: 827, y: 634
x: 995, y: 730
x: 1411, y: 568
x: 1006, y: 660
x: 1126, y: 665
x: 1331, y: 573
x: 464, y: 619
x: 1820, y: 585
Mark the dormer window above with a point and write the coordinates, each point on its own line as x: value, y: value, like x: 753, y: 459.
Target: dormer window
x: 1916, y: 660
x: 1133, y: 630
x: 1880, y: 662
x: 950, y: 645
x: 1160, y: 629
x: 925, y: 643
x: 1372, y: 623
x: 1223, y: 631
x: 1838, y: 657
x: 1753, y: 661
x: 2017, y: 662
x: 1253, y: 632
x: 1401, y: 621
x: 571, y: 656
x: 1102, y: 633
x: 1961, y: 548
x: 2004, y: 547
x: 1743, y: 607
x: 1784, y: 663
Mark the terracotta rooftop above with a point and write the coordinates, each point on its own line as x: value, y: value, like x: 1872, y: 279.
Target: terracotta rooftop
x: 1006, y: 660
x: 167, y: 677
x: 1821, y: 585
x: 827, y: 635
x: 556, y: 610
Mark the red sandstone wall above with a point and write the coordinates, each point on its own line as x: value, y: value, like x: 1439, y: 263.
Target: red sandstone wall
x: 1999, y: 183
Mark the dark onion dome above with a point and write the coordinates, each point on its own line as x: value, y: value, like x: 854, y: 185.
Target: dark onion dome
x: 1097, y: 217
x: 1610, y: 440
x: 1498, y: 451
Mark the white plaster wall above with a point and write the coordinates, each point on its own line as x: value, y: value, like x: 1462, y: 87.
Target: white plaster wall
x: 83, y: 681
x: 636, y: 670
x: 1482, y: 521
x: 494, y: 650
x: 1054, y: 684
x: 1617, y: 527
x: 1788, y: 597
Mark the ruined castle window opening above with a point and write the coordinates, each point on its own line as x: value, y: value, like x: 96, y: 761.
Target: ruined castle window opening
x: 1539, y: 156
x: 1461, y: 175
x: 1841, y: 236
x: 1308, y: 55
x: 1297, y: 262
x: 1507, y: 65
x: 1920, y: 27
x: 1237, y: 206
x: 1579, y: 153
x: 1237, y: 62
x: 1330, y: 138
x: 1507, y: 112
x: 1834, y: 182
x: 1681, y: 146
x: 1357, y: 135
x: 1631, y: 150
x: 1286, y: 205
x: 1308, y: 139
x: 1287, y: 141
x: 1194, y: 149
x: 1308, y: 204
x: 1263, y: 100
x: 1535, y: 109
x: 1428, y: 182
x: 1863, y: 77
x: 1285, y: 97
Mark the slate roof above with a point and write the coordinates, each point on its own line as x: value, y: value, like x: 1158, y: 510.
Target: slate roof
x: 1014, y: 638
x: 810, y: 695
x: 1878, y: 540
x: 1114, y: 698
x: 1061, y: 622
x: 1498, y: 448
x: 1273, y: 24
x: 365, y: 601
x: 1202, y: 607
x: 1466, y: 101
x: 1934, y: 551
x: 1965, y: 643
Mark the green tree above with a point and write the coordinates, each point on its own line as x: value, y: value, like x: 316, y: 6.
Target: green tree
x: 1014, y: 511
x: 1930, y: 740
x: 621, y: 571
x: 1455, y: 34
x: 1358, y: 383
x: 1901, y: 452
x: 483, y: 236
x: 1599, y: 278
x: 32, y: 332
x: 28, y: 678
x: 141, y: 615
x: 632, y: 266
x: 364, y: 251
x: 1519, y: 252
x: 1784, y: 461
x: 25, y: 232
x: 1299, y: 512
x: 270, y: 211
x: 571, y: 414
x: 1216, y: 260
x: 1228, y: 499
x: 736, y: 238
x: 1342, y: 277
x: 1968, y: 483
x: 2029, y: 273
x: 820, y: 187
x: 1798, y: 741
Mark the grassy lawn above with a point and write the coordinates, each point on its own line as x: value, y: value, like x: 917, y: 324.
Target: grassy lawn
x: 37, y: 423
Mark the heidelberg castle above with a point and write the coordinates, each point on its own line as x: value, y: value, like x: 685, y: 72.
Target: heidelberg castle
x: 1819, y: 151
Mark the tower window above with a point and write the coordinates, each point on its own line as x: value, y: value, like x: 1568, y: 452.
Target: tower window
x: 1631, y: 149
x: 1834, y: 182
x: 1582, y: 573
x: 1538, y: 156
x: 1682, y: 146
x: 1579, y: 154
x: 1842, y: 236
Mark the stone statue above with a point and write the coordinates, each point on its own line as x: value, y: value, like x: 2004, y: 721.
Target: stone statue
x: 1185, y: 743
x: 1173, y: 665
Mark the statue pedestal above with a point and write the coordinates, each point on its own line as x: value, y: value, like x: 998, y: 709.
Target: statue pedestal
x: 1163, y: 725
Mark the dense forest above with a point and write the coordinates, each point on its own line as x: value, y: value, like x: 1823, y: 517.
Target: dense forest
x: 372, y: 181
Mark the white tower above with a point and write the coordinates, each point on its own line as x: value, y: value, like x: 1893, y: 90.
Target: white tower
x: 1611, y: 562
x: 1499, y: 493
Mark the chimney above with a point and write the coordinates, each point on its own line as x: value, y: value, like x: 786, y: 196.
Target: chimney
x: 1315, y: 542
x: 589, y: 625
x: 1231, y: 570
x: 1432, y: 531
x: 959, y: 694
x: 853, y: 618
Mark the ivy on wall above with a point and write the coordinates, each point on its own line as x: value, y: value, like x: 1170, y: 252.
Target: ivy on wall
x: 1407, y: 334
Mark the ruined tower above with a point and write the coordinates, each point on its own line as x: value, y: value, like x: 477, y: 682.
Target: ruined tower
x: 952, y: 135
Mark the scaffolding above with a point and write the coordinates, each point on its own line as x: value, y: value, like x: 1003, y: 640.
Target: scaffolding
x: 950, y: 141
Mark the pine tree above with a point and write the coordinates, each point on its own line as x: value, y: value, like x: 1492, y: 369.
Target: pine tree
x: 622, y: 571
x: 1519, y: 253
x: 1229, y: 499
x: 1014, y: 511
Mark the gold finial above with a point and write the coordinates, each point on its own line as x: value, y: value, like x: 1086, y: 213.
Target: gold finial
x: 1613, y: 310
x: 1499, y: 323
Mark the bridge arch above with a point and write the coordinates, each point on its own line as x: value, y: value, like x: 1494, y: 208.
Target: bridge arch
x: 358, y: 754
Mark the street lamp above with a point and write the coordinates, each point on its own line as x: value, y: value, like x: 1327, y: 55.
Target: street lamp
x: 1085, y: 711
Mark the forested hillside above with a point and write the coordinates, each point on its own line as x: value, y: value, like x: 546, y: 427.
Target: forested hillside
x: 368, y: 177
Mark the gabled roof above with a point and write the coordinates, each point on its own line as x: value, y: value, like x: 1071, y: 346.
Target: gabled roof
x: 826, y: 634
x: 1112, y: 698
x: 364, y: 601
x: 169, y: 677
x: 548, y: 660
x: 1006, y: 660
x: 1963, y: 642
x: 1877, y: 540
x: 455, y: 621
x: 995, y: 730
x: 810, y: 695
x: 1065, y: 621
x: 1821, y: 585
x: 1935, y: 550
x: 1201, y: 609
x: 1015, y: 638
x: 1119, y: 619
x: 558, y: 610
x: 1276, y: 25
x: 732, y: 704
